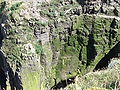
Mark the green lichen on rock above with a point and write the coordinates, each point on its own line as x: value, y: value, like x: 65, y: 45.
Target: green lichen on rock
x: 92, y: 40
x: 57, y: 43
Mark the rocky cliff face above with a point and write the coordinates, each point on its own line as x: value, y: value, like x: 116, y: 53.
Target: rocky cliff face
x: 50, y: 41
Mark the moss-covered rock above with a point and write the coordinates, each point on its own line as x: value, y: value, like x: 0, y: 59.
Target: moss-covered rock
x: 56, y: 41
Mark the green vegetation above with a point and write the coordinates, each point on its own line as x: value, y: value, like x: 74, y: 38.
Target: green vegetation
x: 15, y: 6
x: 12, y: 50
x: 81, y: 40
x: 41, y: 23
x: 38, y: 49
x: 31, y: 79
x: 2, y: 6
x: 99, y: 80
x: 14, y: 9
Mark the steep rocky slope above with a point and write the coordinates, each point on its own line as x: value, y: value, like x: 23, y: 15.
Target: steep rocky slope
x: 101, y: 80
x: 46, y: 42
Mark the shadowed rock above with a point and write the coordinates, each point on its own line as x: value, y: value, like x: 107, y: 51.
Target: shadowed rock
x: 2, y: 80
x: 113, y: 53
x: 63, y: 83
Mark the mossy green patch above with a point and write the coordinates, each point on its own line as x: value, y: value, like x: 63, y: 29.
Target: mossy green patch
x: 38, y: 49
x: 31, y: 79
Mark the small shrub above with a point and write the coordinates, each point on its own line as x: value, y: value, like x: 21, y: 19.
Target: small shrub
x: 2, y: 6
x: 38, y: 49
x: 15, y: 6
x: 41, y: 23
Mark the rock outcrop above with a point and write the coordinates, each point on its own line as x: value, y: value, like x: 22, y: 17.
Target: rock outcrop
x: 56, y: 40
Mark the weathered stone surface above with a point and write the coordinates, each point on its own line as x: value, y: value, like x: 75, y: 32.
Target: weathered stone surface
x: 60, y: 39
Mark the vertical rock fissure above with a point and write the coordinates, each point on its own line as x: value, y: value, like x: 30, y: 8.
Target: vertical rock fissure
x: 6, y: 71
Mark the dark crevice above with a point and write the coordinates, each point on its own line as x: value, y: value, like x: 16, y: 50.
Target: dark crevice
x: 6, y: 71
x: 91, y: 51
x: 3, y: 80
x: 3, y: 62
x: 11, y: 79
x: 63, y: 83
x: 18, y: 83
x: 81, y: 2
x: 2, y: 35
x: 113, y: 53
x: 113, y: 24
x: 116, y: 12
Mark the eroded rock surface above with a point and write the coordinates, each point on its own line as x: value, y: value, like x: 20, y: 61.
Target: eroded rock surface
x: 58, y: 39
